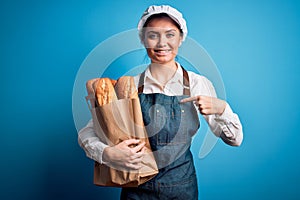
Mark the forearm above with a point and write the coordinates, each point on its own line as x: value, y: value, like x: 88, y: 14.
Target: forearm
x: 226, y: 126
x: 90, y: 143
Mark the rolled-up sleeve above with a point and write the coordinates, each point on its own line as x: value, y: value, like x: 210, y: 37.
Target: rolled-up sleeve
x: 90, y: 143
x: 227, y: 126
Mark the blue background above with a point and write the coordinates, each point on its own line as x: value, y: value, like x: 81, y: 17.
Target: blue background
x: 255, y: 45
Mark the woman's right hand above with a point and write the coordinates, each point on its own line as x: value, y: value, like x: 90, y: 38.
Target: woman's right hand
x: 122, y: 156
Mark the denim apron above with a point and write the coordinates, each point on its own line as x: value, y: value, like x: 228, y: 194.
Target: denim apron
x: 170, y: 126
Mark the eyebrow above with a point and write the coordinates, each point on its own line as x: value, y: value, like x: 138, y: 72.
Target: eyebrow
x: 156, y: 32
x: 171, y: 30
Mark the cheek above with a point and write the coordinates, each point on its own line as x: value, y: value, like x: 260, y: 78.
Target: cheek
x: 150, y: 43
x: 175, y: 44
x: 149, y: 52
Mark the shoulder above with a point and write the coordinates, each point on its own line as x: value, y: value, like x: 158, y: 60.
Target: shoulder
x: 200, y: 85
x: 198, y: 79
x: 136, y: 79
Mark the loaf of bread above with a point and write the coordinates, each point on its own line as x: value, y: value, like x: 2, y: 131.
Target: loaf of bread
x: 105, y: 92
x: 89, y: 86
x: 113, y: 82
x: 125, y: 88
x: 91, y: 91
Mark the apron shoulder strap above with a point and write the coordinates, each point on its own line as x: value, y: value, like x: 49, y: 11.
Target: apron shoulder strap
x: 186, y: 83
x: 141, y: 83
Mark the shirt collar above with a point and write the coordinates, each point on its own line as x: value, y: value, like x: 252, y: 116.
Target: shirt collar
x: 177, y: 78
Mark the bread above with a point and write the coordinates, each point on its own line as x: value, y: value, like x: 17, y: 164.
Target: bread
x: 89, y: 86
x: 91, y: 91
x: 108, y: 90
x: 125, y: 88
x: 113, y: 82
x: 105, y: 92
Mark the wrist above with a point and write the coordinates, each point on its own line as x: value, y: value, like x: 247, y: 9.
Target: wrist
x: 222, y: 108
x: 105, y: 155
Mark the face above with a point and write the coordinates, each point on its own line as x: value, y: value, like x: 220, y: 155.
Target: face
x: 162, y: 39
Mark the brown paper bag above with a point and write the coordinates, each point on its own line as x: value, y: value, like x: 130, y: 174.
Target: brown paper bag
x: 113, y: 123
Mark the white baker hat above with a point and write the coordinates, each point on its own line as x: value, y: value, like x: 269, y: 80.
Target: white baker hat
x: 172, y: 12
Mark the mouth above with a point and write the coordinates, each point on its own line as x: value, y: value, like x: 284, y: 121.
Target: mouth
x: 162, y: 52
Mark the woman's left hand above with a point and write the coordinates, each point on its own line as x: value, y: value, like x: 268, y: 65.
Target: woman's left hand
x: 207, y: 105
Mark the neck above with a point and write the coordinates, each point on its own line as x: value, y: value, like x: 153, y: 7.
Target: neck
x: 163, y: 72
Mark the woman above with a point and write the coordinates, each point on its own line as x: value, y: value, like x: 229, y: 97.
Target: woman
x: 169, y: 97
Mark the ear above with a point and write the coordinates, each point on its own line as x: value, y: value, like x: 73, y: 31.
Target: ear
x: 180, y: 42
x: 142, y: 40
x: 144, y: 43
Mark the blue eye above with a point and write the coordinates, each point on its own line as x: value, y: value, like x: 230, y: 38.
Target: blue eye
x: 170, y: 35
x: 152, y: 36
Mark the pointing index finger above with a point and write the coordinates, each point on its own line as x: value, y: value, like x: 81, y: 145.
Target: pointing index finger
x: 189, y: 99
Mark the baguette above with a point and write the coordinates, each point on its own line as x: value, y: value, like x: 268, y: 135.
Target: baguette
x: 105, y: 92
x: 89, y: 86
x: 91, y: 91
x: 125, y: 88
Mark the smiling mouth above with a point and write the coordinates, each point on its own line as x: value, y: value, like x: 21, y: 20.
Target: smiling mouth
x: 162, y: 51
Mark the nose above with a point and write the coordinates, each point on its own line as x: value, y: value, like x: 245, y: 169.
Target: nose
x: 162, y: 42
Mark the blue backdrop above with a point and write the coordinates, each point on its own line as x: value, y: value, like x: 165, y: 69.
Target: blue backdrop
x: 255, y: 45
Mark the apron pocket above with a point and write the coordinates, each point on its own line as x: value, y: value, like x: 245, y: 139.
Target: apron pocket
x: 170, y: 126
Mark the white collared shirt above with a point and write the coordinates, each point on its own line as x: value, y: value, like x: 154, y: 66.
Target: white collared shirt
x: 227, y: 126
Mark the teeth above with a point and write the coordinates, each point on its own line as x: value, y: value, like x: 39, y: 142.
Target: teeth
x: 162, y: 51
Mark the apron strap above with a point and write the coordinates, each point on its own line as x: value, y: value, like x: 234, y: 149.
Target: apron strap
x: 186, y: 83
x: 141, y: 83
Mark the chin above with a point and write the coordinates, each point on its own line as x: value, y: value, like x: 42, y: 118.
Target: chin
x: 163, y: 60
